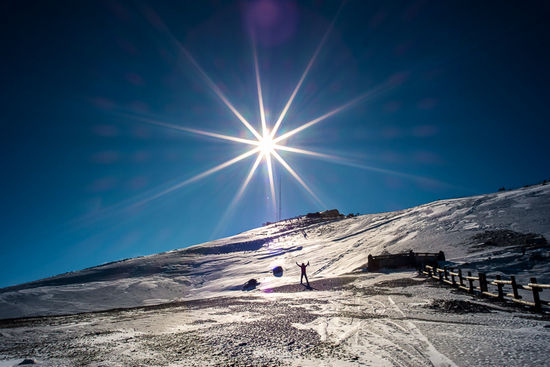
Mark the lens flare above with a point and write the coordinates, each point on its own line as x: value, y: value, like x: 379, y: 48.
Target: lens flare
x: 266, y: 142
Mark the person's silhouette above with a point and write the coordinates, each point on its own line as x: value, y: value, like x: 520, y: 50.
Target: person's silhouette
x: 303, y: 268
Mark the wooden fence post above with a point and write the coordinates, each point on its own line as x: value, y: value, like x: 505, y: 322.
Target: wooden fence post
x: 429, y: 272
x: 453, y: 278
x: 514, y: 287
x: 471, y: 282
x: 440, y: 275
x: 461, y: 281
x: 446, y: 273
x: 536, y: 297
x: 482, y: 282
x: 500, y: 291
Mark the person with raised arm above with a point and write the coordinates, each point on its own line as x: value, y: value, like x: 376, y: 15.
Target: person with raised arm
x: 303, y: 268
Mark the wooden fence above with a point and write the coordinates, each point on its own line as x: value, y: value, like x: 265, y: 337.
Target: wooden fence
x: 458, y: 280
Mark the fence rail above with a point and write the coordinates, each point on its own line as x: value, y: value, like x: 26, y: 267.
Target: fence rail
x: 459, y: 280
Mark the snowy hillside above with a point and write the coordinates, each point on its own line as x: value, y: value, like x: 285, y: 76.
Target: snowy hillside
x: 466, y: 229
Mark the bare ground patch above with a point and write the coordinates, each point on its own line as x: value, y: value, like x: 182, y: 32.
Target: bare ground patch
x: 327, y: 284
x: 457, y: 306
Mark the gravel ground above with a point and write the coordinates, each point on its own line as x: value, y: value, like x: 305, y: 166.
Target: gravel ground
x: 104, y: 338
x: 342, y: 321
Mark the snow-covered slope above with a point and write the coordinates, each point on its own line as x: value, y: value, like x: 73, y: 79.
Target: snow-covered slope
x: 459, y: 227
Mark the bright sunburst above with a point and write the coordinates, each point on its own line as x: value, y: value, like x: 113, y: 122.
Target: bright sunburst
x: 267, y: 145
x: 266, y: 142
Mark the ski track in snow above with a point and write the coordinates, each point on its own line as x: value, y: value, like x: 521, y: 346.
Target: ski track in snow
x: 391, y: 342
x: 438, y: 359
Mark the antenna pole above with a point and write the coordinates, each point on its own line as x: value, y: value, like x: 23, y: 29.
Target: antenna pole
x: 280, y: 197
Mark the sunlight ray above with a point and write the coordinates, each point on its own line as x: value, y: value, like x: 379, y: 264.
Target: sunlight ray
x: 271, y: 184
x: 295, y: 175
x: 162, y: 26
x: 408, y: 176
x: 248, y: 178
x: 345, y: 162
x: 159, y: 23
x: 259, y: 86
x: 199, y: 176
x: 304, y: 74
x: 321, y: 118
x: 218, y: 91
x: 238, y: 196
x: 306, y: 152
x: 197, y: 131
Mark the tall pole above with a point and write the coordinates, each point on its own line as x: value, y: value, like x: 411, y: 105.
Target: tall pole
x: 280, y: 197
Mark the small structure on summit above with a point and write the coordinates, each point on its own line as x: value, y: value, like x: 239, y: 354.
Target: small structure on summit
x: 332, y: 213
x: 326, y: 214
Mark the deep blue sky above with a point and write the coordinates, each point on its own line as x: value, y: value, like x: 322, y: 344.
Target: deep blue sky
x: 467, y: 113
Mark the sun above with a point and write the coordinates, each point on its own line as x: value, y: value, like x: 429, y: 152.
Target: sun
x: 267, y: 145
